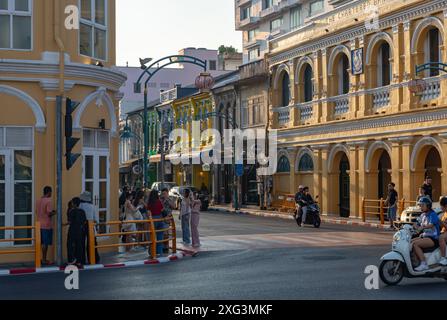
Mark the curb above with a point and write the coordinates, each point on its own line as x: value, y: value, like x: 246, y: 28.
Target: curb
x: 289, y: 217
x: 128, y: 264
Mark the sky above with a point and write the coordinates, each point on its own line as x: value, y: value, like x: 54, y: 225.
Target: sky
x: 157, y: 28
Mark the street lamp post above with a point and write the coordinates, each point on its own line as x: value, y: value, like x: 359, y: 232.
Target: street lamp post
x: 150, y: 71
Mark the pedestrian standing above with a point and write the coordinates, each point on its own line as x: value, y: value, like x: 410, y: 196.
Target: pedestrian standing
x: 391, y: 203
x: 140, y: 205
x: 92, y: 215
x: 195, y: 218
x: 185, y: 217
x: 45, y: 213
x: 168, y: 206
x: 76, y: 234
x: 155, y: 206
x: 428, y: 187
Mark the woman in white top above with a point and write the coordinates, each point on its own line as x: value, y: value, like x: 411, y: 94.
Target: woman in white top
x: 185, y: 216
x: 131, y: 214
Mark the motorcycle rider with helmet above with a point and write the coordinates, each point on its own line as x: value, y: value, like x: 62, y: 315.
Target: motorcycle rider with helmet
x: 429, y: 228
x: 304, y: 200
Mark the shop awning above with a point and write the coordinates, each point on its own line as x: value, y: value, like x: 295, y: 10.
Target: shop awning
x: 155, y: 158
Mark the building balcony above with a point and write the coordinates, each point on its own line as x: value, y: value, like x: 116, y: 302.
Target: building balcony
x: 306, y: 111
x: 341, y: 104
x: 380, y: 97
x: 269, y: 11
x: 285, y: 4
x: 168, y: 95
x: 283, y: 116
x: 432, y: 89
x: 245, y: 23
x: 240, y: 3
x: 254, y: 70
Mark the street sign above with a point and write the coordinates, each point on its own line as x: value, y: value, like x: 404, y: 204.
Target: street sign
x: 239, y: 170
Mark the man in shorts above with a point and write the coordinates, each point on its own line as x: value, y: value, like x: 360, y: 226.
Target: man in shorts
x: 45, y: 212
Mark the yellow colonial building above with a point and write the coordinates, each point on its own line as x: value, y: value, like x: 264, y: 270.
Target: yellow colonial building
x: 187, y: 110
x: 41, y: 58
x: 340, y: 97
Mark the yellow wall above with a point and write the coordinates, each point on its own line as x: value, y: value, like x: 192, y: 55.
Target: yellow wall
x: 40, y: 82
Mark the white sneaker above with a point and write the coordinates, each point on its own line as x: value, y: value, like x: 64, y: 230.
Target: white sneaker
x: 443, y: 262
x: 422, y: 267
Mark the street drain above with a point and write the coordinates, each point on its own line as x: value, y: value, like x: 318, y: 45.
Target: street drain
x: 324, y: 258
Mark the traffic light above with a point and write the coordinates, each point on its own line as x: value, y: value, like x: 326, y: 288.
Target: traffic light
x: 70, y: 142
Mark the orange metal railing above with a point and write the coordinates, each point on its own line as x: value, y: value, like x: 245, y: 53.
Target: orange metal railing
x: 373, y: 207
x: 378, y: 207
x: 151, y: 231
x: 36, y: 247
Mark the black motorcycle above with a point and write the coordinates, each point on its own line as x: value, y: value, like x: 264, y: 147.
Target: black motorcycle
x: 312, y: 217
x: 204, y: 197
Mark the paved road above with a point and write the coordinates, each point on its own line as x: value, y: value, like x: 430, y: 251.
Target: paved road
x: 245, y: 257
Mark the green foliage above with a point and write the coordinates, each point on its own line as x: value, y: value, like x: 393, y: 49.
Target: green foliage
x: 224, y: 49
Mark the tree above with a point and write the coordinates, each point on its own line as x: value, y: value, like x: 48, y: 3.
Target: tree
x: 229, y: 50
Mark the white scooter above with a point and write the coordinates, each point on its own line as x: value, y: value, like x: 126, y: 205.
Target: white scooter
x: 398, y: 263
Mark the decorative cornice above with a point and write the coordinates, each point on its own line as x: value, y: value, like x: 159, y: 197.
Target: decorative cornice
x: 390, y: 121
x: 53, y: 85
x: 112, y: 78
x: 402, y: 16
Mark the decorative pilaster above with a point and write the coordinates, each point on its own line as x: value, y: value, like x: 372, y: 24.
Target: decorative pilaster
x: 292, y: 159
x: 398, y: 68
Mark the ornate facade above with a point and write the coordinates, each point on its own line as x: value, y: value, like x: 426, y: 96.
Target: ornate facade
x: 340, y: 98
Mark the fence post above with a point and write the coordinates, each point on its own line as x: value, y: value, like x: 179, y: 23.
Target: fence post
x: 363, y: 210
x: 382, y: 219
x: 91, y: 242
x: 153, y: 237
x: 173, y: 236
x: 38, y: 245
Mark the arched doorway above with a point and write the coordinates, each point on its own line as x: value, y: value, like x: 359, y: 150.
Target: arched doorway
x: 343, y: 75
x: 344, y: 186
x: 384, y: 71
x: 433, y: 165
x: 384, y: 175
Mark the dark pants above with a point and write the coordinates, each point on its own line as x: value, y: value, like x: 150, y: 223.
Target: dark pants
x: 76, y: 246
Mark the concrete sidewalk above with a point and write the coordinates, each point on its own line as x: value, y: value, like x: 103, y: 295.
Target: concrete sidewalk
x: 283, y: 215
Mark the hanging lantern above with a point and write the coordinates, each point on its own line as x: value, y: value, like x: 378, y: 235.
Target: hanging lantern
x: 204, y: 82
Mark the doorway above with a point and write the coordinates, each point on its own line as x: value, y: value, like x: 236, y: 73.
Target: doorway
x: 344, y: 187
x: 384, y: 177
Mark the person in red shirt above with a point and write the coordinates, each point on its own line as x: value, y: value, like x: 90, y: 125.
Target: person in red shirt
x: 45, y: 212
x: 155, y: 206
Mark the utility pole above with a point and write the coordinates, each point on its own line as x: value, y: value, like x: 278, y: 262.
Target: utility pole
x: 59, y: 156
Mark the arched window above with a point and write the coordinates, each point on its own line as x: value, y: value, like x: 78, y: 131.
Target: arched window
x: 383, y: 65
x: 432, y: 50
x: 306, y: 163
x: 285, y: 90
x: 308, y: 85
x: 283, y: 165
x: 343, y: 75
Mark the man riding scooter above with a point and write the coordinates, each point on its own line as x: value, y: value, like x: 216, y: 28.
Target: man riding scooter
x: 429, y: 228
x: 304, y: 199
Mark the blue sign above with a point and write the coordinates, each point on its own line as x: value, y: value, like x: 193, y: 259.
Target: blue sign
x: 239, y: 170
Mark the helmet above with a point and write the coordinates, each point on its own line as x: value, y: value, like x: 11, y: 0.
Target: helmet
x: 443, y: 201
x: 425, y: 200
x: 301, y: 187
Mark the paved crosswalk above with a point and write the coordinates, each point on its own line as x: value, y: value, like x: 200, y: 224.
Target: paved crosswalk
x: 285, y: 240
